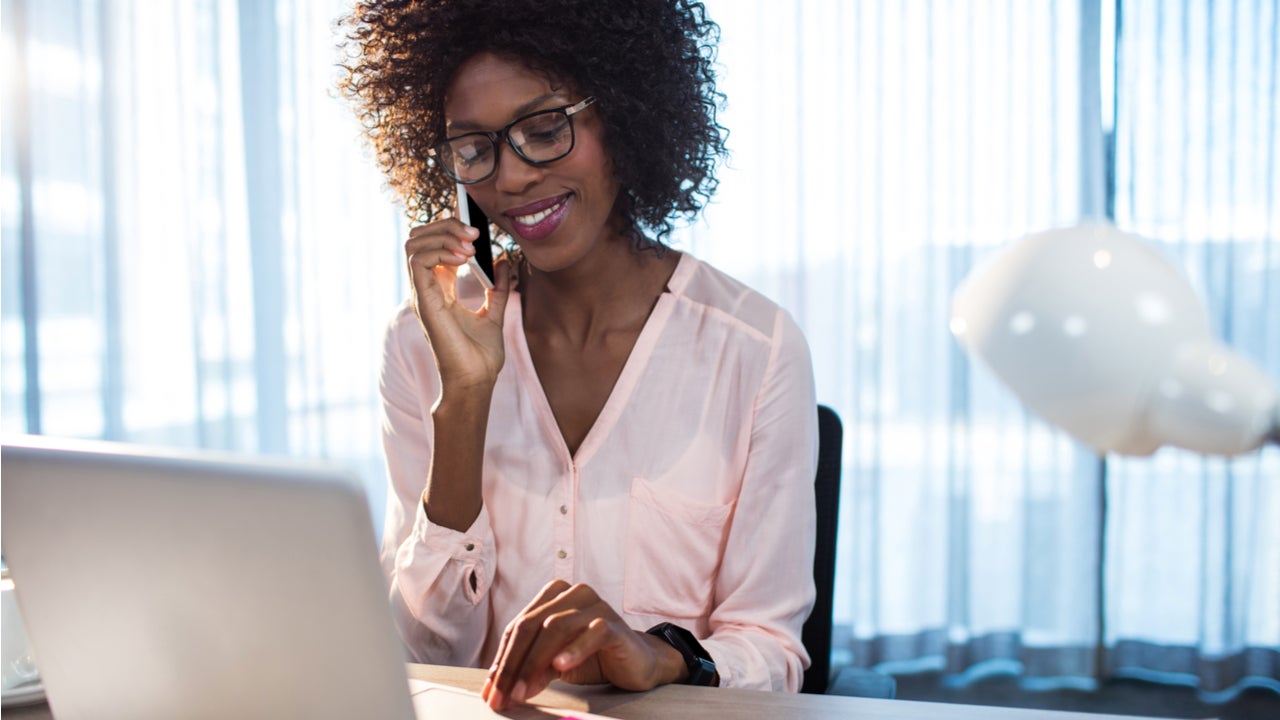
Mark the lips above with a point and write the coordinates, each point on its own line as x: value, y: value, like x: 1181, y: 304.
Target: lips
x: 537, y: 220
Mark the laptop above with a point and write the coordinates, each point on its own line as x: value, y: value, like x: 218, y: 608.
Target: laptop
x: 171, y: 584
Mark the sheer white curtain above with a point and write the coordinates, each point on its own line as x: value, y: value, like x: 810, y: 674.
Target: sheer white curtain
x: 1198, y: 170
x: 197, y: 249
x: 880, y: 150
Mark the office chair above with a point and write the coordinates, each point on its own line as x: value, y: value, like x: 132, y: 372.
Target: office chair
x: 816, y: 634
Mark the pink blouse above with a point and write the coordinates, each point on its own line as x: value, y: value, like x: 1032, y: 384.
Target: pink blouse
x: 690, y: 500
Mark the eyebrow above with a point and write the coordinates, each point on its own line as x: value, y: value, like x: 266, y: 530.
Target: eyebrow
x: 521, y: 111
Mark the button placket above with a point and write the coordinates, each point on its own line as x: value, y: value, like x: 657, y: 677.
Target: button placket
x: 562, y: 520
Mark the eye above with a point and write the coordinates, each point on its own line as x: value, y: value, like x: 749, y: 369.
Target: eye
x: 547, y: 129
x: 471, y: 151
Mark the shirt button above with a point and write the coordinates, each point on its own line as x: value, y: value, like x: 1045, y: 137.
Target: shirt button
x: 562, y: 554
x: 471, y: 546
x: 564, y: 509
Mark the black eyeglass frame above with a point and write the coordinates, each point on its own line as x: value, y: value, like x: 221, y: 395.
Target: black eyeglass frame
x: 497, y: 136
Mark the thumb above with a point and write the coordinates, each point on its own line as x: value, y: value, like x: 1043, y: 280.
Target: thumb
x: 505, y: 278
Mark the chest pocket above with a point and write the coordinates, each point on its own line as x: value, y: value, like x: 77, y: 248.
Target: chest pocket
x: 674, y: 546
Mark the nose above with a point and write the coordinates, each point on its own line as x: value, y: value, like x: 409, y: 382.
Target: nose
x: 514, y: 175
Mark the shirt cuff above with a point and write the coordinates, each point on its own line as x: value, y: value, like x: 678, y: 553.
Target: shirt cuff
x: 468, y: 544
x: 720, y: 654
x: 470, y: 551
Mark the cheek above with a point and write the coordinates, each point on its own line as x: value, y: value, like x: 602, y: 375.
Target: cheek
x: 596, y: 165
x: 593, y: 153
x: 485, y: 199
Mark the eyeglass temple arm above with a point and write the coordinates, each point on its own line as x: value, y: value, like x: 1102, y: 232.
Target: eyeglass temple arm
x: 580, y: 106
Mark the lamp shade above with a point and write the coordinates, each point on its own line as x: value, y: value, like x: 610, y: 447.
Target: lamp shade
x: 1101, y: 335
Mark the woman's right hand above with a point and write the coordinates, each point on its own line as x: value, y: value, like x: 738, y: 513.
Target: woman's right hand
x: 467, y: 345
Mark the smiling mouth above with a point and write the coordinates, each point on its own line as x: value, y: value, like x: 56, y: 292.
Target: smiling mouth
x: 534, y: 218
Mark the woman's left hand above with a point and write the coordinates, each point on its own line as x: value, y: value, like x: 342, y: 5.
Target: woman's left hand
x: 569, y: 633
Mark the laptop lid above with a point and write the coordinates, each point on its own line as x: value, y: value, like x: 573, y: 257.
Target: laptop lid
x: 161, y: 583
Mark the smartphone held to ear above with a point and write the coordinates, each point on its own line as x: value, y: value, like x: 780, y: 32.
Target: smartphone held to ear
x: 481, y: 263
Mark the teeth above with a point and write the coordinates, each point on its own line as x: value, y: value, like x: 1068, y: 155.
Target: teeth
x: 539, y: 216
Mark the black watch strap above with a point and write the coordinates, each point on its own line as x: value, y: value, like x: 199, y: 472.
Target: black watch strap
x: 702, y: 669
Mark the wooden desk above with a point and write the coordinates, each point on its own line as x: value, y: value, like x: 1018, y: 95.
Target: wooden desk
x: 675, y: 701
x: 682, y: 701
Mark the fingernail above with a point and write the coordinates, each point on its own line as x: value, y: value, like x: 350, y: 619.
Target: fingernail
x: 563, y: 659
x: 496, y: 700
x: 469, y: 248
x: 517, y: 693
x: 473, y: 232
x: 460, y: 256
x: 484, y: 691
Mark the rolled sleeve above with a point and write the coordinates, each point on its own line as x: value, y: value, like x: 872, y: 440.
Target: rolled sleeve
x: 439, y: 578
x: 463, y: 560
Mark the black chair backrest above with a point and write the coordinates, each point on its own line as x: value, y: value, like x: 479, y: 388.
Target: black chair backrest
x: 816, y: 634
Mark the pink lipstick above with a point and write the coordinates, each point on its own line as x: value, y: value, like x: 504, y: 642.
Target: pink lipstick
x: 537, y: 220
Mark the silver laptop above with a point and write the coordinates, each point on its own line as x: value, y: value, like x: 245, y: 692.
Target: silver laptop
x: 164, y: 584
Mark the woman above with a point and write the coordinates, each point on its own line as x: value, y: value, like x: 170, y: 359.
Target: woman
x: 613, y: 457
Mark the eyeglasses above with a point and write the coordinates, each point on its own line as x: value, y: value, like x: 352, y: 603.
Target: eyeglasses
x: 538, y: 138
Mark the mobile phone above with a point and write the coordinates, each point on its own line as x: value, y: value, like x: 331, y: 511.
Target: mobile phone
x: 481, y: 263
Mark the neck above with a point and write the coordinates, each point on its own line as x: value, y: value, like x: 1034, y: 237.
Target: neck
x: 612, y: 291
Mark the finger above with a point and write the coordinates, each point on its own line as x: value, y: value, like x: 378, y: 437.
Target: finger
x: 446, y: 278
x: 505, y: 278
x: 433, y: 286
x: 559, y: 629
x: 423, y: 264
x: 586, y: 643
x: 508, y: 683
x: 517, y: 636
x: 436, y: 245
x: 516, y: 639
x: 446, y: 234
x: 505, y: 274
x: 430, y: 257
x: 563, y: 619
x: 549, y: 591
x: 443, y: 230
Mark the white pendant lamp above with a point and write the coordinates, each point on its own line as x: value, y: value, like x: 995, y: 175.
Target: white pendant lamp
x: 1101, y: 335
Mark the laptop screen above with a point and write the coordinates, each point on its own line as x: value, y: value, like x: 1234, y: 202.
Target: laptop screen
x: 160, y: 583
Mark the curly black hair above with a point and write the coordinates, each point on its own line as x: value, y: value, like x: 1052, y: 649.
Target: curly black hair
x: 649, y: 64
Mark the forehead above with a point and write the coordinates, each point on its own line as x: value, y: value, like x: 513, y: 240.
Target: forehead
x: 489, y: 90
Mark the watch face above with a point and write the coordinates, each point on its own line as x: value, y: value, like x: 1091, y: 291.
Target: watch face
x: 702, y: 669
x: 701, y: 672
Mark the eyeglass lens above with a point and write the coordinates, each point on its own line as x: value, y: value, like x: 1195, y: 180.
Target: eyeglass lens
x: 538, y: 138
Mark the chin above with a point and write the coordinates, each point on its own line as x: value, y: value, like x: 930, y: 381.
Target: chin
x: 547, y: 256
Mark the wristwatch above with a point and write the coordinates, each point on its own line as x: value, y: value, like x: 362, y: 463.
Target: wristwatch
x: 702, y: 669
